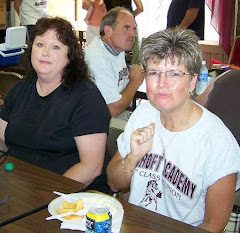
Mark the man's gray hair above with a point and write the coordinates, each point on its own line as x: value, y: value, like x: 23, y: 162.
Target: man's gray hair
x: 175, y: 45
x: 111, y: 18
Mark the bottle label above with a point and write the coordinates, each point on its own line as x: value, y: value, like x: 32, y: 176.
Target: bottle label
x: 203, y: 77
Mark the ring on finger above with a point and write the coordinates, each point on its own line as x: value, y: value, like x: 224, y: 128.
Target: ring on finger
x: 140, y: 131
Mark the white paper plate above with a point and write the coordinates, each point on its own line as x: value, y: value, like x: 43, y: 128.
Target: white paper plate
x: 89, y: 199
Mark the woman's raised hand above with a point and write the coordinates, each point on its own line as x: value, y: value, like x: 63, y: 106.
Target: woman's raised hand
x: 141, y: 141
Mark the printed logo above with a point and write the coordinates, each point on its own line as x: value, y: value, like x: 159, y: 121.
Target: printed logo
x: 123, y: 76
x: 152, y: 194
x: 41, y: 3
x: 172, y: 180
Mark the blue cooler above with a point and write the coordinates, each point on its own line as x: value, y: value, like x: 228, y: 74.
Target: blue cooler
x: 12, y: 49
x: 10, y: 57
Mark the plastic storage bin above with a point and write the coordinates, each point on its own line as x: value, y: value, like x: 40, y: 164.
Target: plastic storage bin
x: 10, y: 57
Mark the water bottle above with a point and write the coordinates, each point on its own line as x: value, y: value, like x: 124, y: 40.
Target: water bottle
x: 202, y: 82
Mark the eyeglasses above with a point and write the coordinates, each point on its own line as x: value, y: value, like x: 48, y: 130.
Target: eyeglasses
x: 170, y: 75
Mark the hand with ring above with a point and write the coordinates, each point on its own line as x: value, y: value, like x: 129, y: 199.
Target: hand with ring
x: 141, y: 141
x: 141, y: 130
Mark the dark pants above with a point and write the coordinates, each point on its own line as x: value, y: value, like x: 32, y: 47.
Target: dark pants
x: 29, y: 30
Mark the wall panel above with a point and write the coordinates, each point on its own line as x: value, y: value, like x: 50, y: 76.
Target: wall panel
x: 211, y: 50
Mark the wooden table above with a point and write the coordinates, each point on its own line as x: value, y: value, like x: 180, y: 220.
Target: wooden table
x: 30, y: 189
x: 136, y: 220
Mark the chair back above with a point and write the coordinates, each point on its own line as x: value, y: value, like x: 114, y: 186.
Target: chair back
x: 234, y: 57
x: 8, y: 80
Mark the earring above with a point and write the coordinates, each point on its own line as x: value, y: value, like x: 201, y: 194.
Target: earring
x: 190, y: 94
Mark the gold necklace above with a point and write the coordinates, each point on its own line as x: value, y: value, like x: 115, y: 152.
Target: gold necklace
x: 165, y: 147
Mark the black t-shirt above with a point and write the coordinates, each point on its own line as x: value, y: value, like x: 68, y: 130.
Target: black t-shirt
x: 41, y: 130
x: 114, y: 3
x: 177, y: 11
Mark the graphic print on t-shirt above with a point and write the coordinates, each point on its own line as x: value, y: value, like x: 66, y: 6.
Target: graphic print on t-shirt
x: 152, y: 194
x: 163, y: 178
x: 123, y: 76
x: 40, y: 3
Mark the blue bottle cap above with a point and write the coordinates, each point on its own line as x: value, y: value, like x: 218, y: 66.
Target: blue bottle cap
x: 9, y: 166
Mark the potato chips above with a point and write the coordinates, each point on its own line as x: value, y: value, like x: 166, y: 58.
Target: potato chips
x: 71, y: 207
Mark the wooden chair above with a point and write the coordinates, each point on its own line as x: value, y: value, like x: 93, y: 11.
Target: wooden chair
x: 234, y: 57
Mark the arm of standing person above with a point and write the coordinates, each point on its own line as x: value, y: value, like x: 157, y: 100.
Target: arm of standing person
x: 119, y: 170
x: 190, y: 16
x: 219, y: 203
x: 135, y: 80
x: 89, y: 14
x: 3, y: 126
x: 86, y: 4
x: 91, y: 158
x: 139, y: 7
x: 17, y: 4
x: 99, y: 2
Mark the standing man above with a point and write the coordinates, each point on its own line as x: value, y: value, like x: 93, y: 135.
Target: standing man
x: 30, y: 11
x: 187, y: 14
x: 139, y: 9
x: 106, y: 59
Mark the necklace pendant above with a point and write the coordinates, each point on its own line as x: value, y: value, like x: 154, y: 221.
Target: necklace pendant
x: 163, y: 153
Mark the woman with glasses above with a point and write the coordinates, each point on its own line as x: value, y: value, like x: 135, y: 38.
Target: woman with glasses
x: 178, y: 158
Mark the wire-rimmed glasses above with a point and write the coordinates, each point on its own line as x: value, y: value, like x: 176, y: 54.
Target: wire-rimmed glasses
x: 155, y: 75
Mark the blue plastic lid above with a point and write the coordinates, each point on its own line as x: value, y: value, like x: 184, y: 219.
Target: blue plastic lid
x: 9, y: 166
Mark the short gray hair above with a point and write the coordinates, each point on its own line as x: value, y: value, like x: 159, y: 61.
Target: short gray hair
x: 111, y: 18
x: 171, y: 44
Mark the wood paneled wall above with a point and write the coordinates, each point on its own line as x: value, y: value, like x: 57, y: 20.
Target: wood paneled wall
x: 211, y: 50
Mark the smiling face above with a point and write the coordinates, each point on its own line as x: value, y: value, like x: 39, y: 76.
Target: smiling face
x: 166, y: 94
x: 121, y: 36
x: 49, y: 56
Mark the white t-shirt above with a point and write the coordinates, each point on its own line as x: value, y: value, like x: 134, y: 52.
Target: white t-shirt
x: 110, y: 72
x: 31, y: 10
x: 196, y: 158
